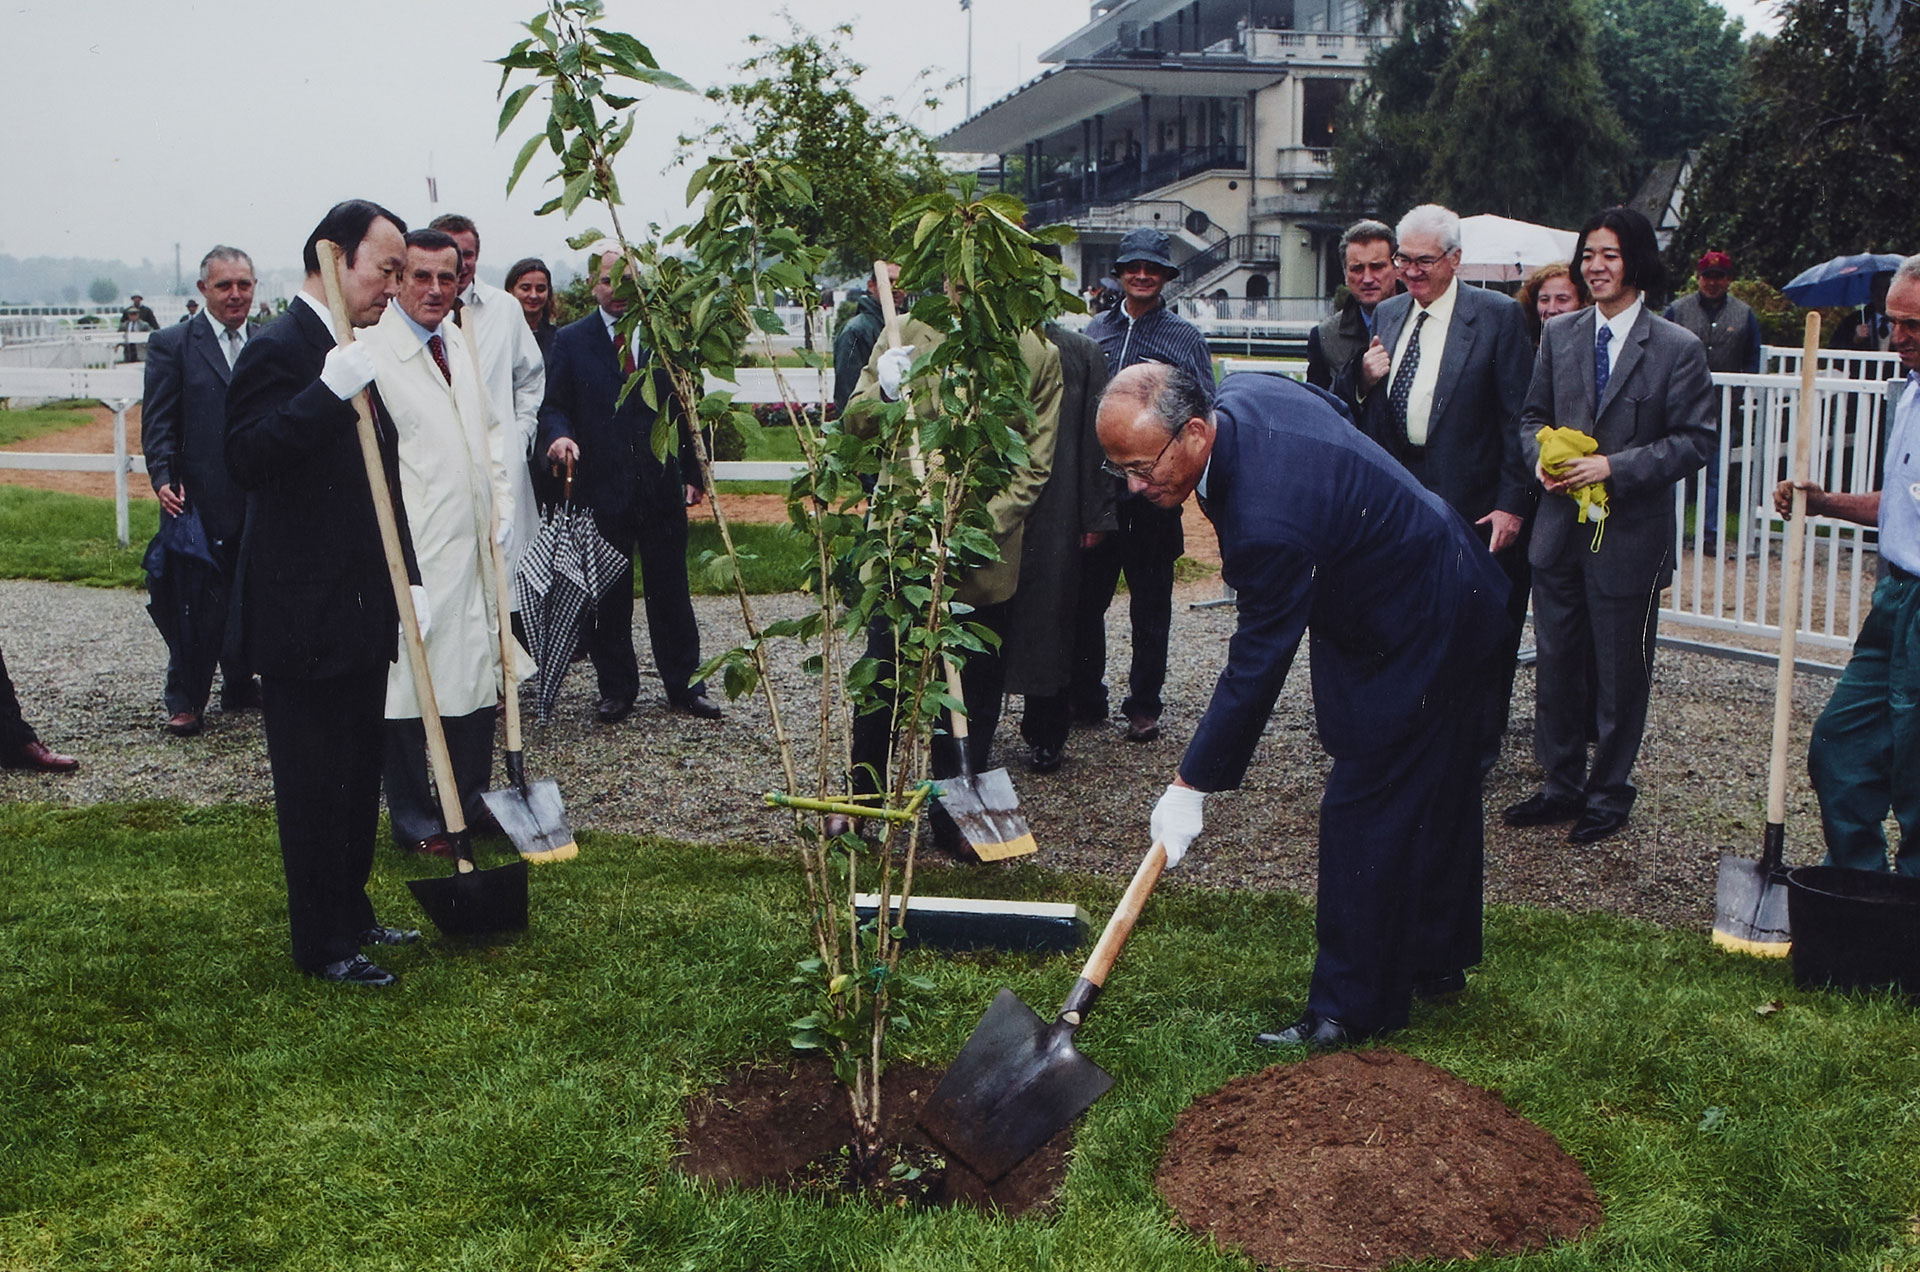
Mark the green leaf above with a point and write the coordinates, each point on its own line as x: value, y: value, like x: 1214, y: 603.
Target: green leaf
x: 512, y: 106
x: 584, y: 239
x: 526, y: 154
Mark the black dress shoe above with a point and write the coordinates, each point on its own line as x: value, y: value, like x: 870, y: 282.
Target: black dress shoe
x: 40, y: 758
x: 242, y: 695
x: 378, y: 935
x: 1596, y: 824
x: 1045, y: 759
x: 358, y: 970
x: 613, y: 710
x: 699, y: 706
x: 1541, y: 809
x: 183, y: 724
x: 1443, y: 986
x: 1316, y: 1033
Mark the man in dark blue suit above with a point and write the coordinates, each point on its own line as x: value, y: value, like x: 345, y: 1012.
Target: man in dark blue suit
x: 183, y: 434
x: 1321, y: 530
x: 639, y: 503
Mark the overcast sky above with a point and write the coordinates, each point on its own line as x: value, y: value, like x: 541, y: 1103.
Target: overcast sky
x: 135, y: 124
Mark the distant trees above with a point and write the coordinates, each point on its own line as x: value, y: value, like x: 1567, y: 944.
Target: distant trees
x: 103, y: 291
x: 1824, y: 148
x: 1672, y: 71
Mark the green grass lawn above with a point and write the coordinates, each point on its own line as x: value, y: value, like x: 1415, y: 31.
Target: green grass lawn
x: 20, y: 426
x: 177, y: 1097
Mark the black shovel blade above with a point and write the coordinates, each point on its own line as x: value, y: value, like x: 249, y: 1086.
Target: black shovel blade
x: 1750, y: 909
x: 478, y: 903
x: 1016, y: 1082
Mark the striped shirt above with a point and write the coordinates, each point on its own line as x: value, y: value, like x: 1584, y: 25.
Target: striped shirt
x: 1158, y: 336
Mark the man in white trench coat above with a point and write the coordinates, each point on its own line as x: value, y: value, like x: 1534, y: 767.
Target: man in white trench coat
x: 453, y: 482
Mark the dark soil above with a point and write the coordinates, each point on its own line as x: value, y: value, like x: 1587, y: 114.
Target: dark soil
x: 1367, y: 1159
x: 787, y: 1127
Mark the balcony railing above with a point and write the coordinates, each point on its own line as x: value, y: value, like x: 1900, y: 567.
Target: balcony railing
x: 1241, y: 248
x: 1061, y: 198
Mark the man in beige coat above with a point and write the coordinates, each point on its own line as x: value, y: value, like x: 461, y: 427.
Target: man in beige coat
x: 453, y: 484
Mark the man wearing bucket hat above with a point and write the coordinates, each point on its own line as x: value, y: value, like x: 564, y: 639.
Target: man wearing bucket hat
x: 1865, y: 755
x: 1139, y: 329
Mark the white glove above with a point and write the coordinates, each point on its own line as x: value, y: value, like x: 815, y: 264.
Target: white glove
x: 349, y: 369
x: 892, y: 369
x: 503, y: 535
x: 1177, y: 821
x: 422, y: 614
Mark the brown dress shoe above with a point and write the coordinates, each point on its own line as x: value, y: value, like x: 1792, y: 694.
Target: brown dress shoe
x: 432, y: 846
x: 36, y: 756
x: 183, y: 724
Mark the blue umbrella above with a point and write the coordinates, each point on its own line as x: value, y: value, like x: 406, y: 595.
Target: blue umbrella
x: 1844, y: 280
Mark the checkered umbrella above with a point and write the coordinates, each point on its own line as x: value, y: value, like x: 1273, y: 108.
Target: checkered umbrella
x: 563, y: 574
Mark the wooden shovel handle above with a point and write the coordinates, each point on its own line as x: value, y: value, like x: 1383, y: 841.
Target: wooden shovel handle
x: 1107, y: 950
x: 437, y: 756
x: 1808, y: 423
x: 503, y: 604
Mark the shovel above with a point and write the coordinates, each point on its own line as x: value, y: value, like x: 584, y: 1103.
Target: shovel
x: 984, y: 807
x: 531, y: 813
x: 1019, y: 1079
x: 471, y: 901
x: 1750, y: 901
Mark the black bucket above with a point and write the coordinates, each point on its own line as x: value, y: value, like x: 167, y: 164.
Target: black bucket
x: 1854, y: 929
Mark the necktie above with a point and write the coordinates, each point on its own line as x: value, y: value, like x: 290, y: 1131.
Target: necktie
x: 625, y: 351
x: 439, y: 352
x: 233, y: 347
x: 1403, y: 377
x: 1602, y: 365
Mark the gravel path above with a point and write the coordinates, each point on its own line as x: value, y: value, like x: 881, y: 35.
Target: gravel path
x: 88, y: 665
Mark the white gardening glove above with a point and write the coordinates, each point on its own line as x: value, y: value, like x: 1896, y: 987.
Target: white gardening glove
x: 1177, y: 821
x: 349, y: 369
x: 503, y: 535
x: 892, y: 370
x: 422, y: 614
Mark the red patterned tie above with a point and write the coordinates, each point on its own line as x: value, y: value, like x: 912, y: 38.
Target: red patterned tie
x: 625, y: 350
x: 439, y: 352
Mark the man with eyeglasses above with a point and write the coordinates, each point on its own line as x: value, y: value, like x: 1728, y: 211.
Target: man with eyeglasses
x: 1320, y: 530
x: 1441, y: 387
x: 1865, y: 755
x: 1149, y: 540
x: 1366, y: 253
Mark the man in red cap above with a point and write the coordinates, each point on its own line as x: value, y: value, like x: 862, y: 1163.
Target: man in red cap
x: 1727, y: 327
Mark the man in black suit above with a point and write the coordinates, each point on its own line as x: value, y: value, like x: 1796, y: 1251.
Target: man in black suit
x: 1639, y: 386
x: 1440, y: 387
x: 183, y: 433
x: 639, y: 503
x: 316, y: 615
x: 1366, y: 250
x: 1321, y: 530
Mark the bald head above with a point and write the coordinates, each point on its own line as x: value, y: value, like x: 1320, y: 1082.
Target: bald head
x: 1156, y: 427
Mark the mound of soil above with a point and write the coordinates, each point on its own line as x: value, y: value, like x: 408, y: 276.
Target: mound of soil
x: 1366, y: 1159
x: 786, y: 1127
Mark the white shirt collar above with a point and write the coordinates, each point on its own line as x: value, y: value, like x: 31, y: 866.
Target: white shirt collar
x: 1441, y: 310
x: 1622, y: 322
x: 220, y: 328
x: 318, y: 307
x: 415, y: 327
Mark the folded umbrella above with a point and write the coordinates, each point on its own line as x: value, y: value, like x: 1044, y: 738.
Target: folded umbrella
x: 564, y: 572
x: 183, y: 579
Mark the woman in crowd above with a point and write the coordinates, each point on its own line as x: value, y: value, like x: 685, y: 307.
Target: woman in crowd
x: 1548, y: 292
x: 532, y: 285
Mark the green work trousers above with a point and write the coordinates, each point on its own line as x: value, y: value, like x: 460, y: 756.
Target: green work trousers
x: 1865, y: 757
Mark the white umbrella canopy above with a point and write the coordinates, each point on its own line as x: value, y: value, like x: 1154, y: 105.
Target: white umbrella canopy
x: 1498, y: 249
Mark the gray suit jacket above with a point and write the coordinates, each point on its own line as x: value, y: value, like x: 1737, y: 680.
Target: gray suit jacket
x: 1656, y: 424
x: 183, y: 423
x: 1473, y: 454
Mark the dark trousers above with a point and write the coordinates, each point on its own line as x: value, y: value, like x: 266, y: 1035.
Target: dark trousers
x: 1046, y: 719
x: 324, y: 745
x: 1499, y: 697
x: 1144, y: 549
x: 15, y: 732
x: 983, y: 680
x: 1594, y: 649
x: 1865, y: 756
x: 1401, y: 862
x: 413, y: 808
x: 196, y: 651
x: 660, y: 542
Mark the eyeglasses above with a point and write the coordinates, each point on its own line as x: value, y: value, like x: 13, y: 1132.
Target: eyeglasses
x: 1135, y: 472
x: 1422, y: 263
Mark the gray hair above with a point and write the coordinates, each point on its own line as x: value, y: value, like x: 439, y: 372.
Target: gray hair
x: 1170, y: 393
x: 1431, y: 218
x: 1367, y: 232
x: 222, y: 253
x: 1909, y: 268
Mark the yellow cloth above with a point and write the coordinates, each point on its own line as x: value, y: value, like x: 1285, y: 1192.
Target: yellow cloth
x: 1558, y: 446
